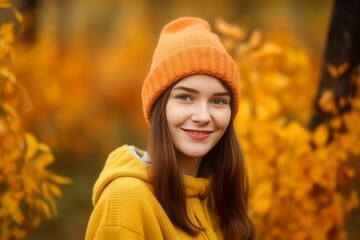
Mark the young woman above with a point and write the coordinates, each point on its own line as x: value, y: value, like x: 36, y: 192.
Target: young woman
x: 191, y: 183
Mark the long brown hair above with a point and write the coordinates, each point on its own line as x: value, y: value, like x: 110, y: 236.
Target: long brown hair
x: 230, y: 186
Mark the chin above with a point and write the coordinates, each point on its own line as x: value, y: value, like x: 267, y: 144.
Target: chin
x: 194, y: 152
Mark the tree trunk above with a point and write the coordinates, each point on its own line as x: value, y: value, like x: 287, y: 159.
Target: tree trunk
x: 342, y: 56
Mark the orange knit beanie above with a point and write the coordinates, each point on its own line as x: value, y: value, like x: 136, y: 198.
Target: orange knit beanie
x: 188, y: 47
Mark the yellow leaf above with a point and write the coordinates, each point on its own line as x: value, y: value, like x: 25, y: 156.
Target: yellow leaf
x: 44, y: 208
x: 31, y: 146
x: 45, y: 191
x: 255, y: 39
x: 53, y: 206
x: 6, y: 73
x: 43, y: 160
x: 18, y: 15
x: 321, y: 135
x: 30, y: 183
x: 240, y: 48
x: 13, y: 118
x: 337, y: 71
x: 44, y: 148
x: 229, y: 30
x: 327, y: 102
x: 55, y: 190
x: 6, y: 32
x: 59, y: 179
x: 266, y: 50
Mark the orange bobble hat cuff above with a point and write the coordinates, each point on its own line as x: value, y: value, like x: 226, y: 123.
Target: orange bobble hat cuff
x: 188, y: 47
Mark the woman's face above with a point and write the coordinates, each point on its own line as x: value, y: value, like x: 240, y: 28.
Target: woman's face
x: 198, y: 112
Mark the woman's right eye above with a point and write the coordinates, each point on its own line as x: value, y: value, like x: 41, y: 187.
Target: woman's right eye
x: 184, y: 97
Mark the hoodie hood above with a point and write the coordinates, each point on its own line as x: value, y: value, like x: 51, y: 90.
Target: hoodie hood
x: 124, y: 163
x: 120, y: 163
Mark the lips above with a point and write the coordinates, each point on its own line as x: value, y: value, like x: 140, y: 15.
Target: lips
x: 198, y: 134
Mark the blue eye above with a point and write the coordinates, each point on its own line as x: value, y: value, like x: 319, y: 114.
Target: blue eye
x: 184, y: 97
x: 219, y: 101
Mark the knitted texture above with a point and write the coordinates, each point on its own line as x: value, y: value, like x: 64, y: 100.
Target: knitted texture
x: 187, y: 47
x: 125, y: 206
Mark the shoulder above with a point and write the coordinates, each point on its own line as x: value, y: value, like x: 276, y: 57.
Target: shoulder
x: 122, y: 171
x: 130, y: 187
x: 129, y: 194
x: 121, y: 210
x: 127, y: 200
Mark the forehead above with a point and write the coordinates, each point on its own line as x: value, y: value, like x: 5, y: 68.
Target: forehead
x: 202, y: 82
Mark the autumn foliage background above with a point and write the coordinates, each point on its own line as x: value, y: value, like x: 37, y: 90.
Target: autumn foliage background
x: 82, y: 64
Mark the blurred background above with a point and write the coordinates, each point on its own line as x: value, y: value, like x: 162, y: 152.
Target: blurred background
x: 83, y: 64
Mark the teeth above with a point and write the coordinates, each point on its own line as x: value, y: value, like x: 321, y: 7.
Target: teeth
x: 198, y: 133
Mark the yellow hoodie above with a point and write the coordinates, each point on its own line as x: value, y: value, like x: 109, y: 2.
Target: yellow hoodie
x: 126, y: 208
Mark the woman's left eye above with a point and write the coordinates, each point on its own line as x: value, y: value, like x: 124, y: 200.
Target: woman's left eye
x: 219, y: 101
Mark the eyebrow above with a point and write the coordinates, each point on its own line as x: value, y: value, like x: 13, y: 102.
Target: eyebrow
x: 196, y: 91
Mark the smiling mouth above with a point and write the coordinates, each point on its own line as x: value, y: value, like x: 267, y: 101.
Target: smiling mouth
x: 197, y: 135
x: 197, y: 132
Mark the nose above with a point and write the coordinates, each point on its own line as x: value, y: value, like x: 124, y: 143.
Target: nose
x: 201, y: 114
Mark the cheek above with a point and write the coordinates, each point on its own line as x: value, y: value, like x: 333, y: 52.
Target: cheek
x: 223, y: 118
x: 172, y: 114
x: 169, y: 113
x: 176, y: 113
